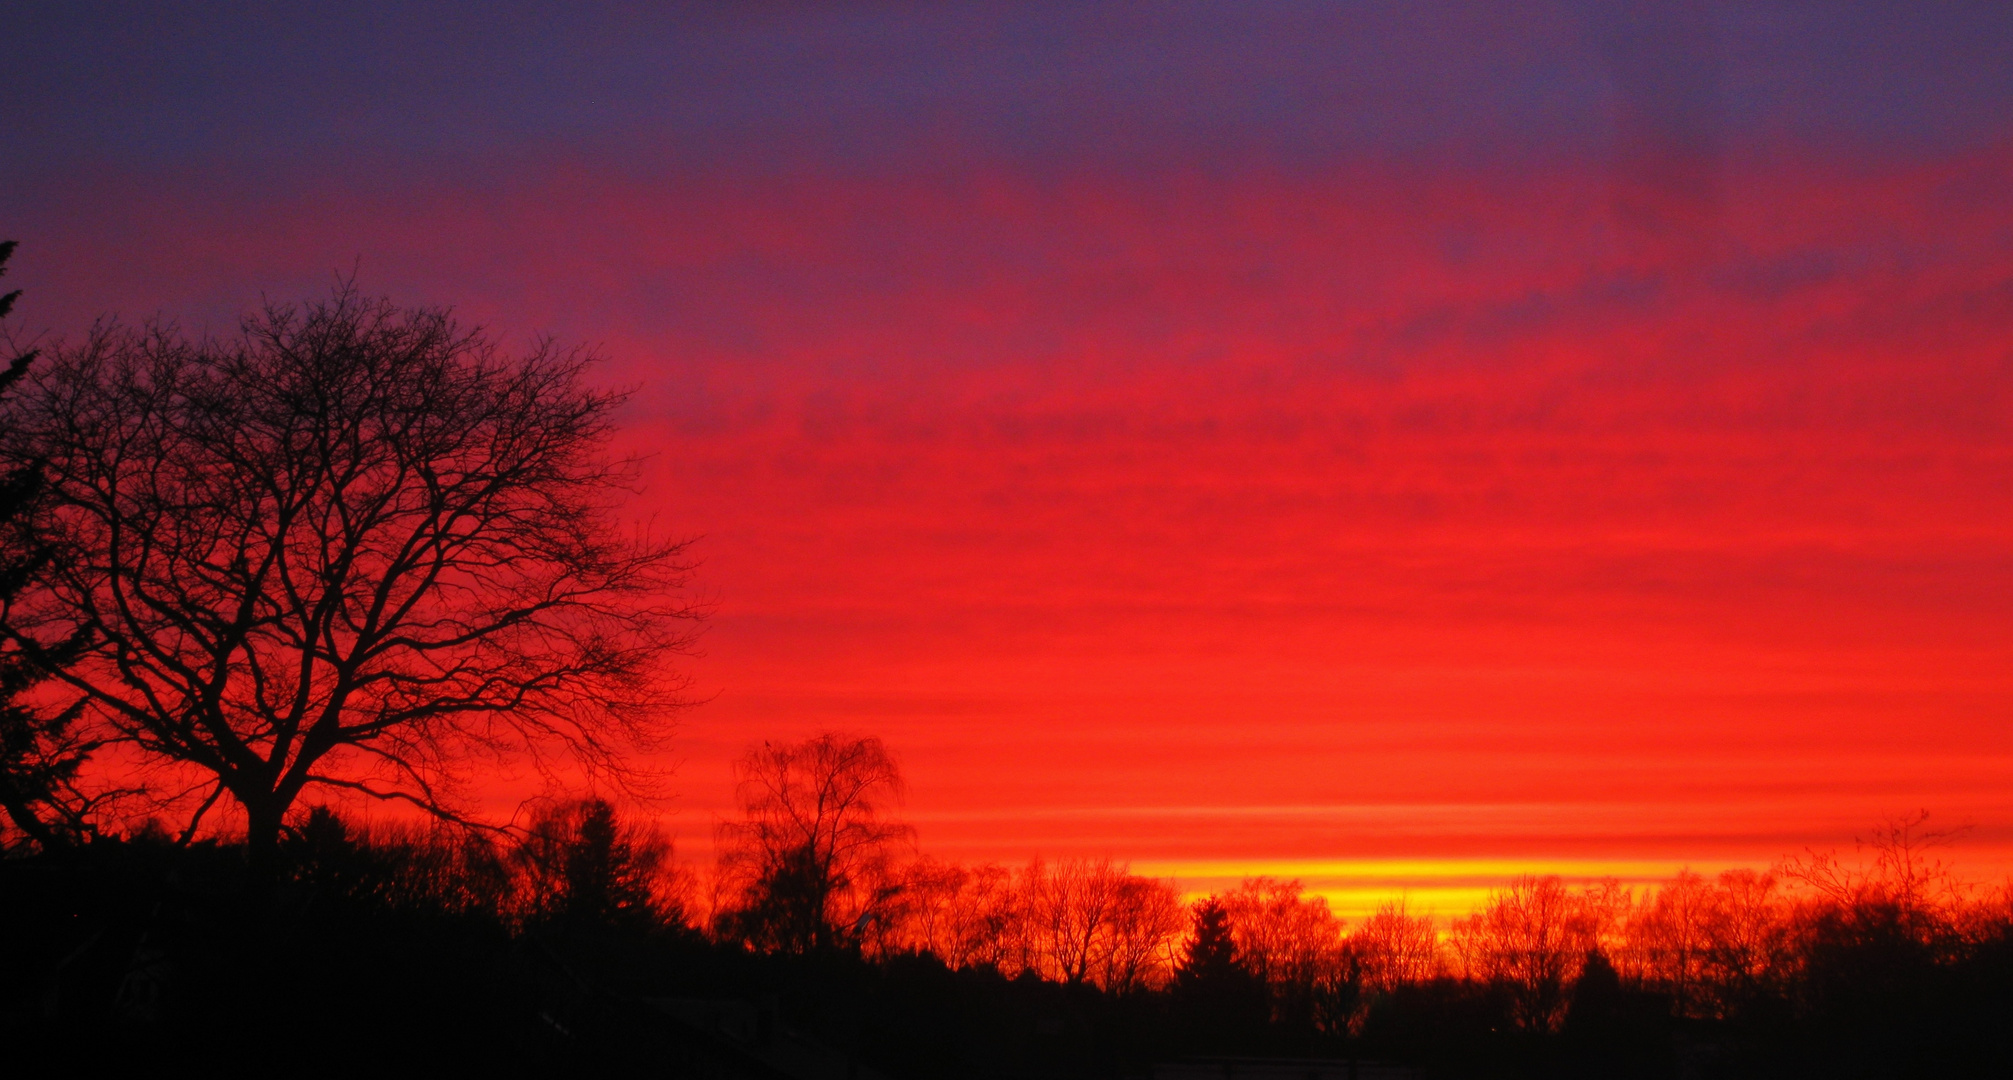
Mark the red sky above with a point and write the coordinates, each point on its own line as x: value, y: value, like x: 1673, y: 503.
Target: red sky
x: 1368, y: 556
x: 1396, y: 520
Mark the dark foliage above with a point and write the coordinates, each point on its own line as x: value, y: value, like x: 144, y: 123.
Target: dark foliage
x: 41, y: 753
x: 371, y: 547
x: 604, y: 885
x: 407, y: 949
x: 807, y: 864
x: 1219, y: 1004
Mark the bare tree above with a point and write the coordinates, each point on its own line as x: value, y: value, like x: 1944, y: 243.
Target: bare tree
x: 1293, y: 943
x: 1068, y: 912
x: 976, y: 922
x: 1903, y: 880
x: 1090, y: 920
x: 1668, y: 943
x: 809, y: 863
x: 352, y: 546
x: 1530, y: 939
x: 1749, y: 936
x: 922, y: 915
x: 1709, y: 944
x: 1147, y: 921
x: 1396, y: 948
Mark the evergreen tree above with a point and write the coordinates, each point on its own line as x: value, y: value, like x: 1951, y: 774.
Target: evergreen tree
x: 40, y: 755
x: 1211, y: 956
x: 1221, y: 1003
x: 607, y: 875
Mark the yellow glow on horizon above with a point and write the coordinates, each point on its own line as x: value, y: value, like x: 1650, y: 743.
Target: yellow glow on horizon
x: 1442, y: 888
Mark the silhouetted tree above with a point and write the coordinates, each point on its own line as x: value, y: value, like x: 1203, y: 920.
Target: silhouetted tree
x: 1067, y: 908
x: 404, y: 866
x: 607, y: 877
x: 1612, y: 1031
x: 922, y: 915
x: 1139, y: 949
x: 1220, y: 1002
x: 1669, y: 940
x: 964, y: 916
x: 351, y: 547
x: 1090, y: 920
x: 1530, y: 940
x: 1294, y: 944
x: 581, y: 867
x: 1899, y: 882
x: 1709, y: 944
x: 1211, y: 955
x: 41, y: 752
x: 1396, y: 947
x: 808, y: 865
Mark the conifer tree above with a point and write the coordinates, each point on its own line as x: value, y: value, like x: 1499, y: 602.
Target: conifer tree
x: 40, y: 755
x: 607, y: 877
x: 1211, y: 956
x: 1221, y: 1002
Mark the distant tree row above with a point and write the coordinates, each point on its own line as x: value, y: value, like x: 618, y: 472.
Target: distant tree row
x: 1075, y: 921
x: 816, y: 871
x: 577, y: 866
x: 1709, y: 946
x: 816, y: 862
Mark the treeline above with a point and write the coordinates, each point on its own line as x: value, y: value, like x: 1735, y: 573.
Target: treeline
x: 1846, y: 962
x: 922, y: 968
x: 576, y: 864
x: 1788, y: 942
x: 815, y: 841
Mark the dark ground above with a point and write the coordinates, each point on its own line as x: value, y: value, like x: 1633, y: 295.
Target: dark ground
x: 144, y: 955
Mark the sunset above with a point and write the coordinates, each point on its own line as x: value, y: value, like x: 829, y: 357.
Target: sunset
x: 1411, y: 451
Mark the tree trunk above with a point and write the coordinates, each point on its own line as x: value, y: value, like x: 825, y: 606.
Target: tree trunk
x: 263, y: 819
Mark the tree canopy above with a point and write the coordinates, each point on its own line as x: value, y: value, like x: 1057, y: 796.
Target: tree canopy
x: 41, y: 751
x: 352, y: 546
x: 808, y: 862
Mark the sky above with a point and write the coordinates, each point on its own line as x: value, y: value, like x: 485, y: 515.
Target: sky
x: 1397, y: 445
